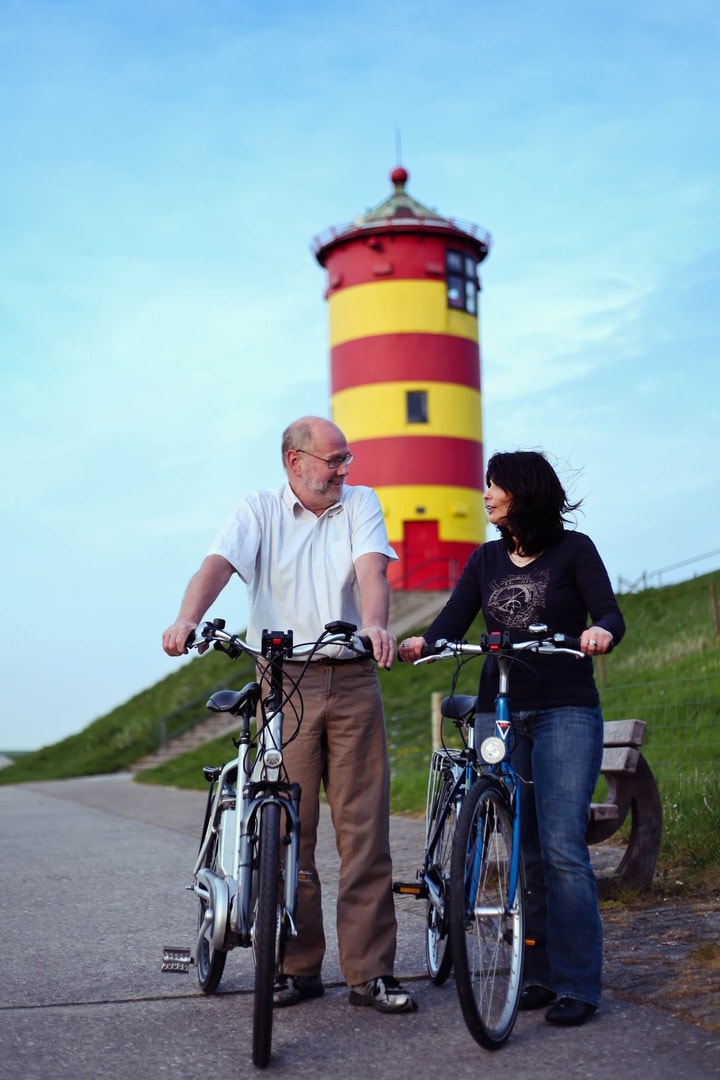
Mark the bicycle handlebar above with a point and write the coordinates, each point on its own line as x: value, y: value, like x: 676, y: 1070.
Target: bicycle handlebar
x: 498, y: 642
x: 277, y: 642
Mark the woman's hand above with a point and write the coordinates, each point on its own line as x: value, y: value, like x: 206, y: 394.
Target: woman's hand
x: 411, y: 648
x: 595, y: 640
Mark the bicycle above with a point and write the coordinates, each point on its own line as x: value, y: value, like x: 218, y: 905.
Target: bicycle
x: 472, y: 875
x: 246, y: 873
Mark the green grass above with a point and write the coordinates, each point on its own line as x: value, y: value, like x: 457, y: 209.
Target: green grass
x: 666, y: 671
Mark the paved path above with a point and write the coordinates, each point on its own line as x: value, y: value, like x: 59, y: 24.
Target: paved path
x: 92, y: 876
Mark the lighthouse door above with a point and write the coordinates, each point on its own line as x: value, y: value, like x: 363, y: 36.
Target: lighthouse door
x: 425, y: 567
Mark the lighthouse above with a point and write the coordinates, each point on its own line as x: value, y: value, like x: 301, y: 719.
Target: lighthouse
x: 402, y: 293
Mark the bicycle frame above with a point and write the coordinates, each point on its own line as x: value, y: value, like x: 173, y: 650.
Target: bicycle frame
x: 236, y: 821
x: 503, y: 768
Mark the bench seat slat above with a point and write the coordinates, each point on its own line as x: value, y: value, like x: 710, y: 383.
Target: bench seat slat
x: 624, y: 732
x: 620, y: 759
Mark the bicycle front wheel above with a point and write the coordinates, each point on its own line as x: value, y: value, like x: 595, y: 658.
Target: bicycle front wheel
x: 486, y: 922
x: 441, y: 817
x: 265, y: 931
x: 210, y: 961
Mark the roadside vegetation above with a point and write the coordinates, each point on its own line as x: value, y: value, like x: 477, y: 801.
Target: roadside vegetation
x: 666, y: 671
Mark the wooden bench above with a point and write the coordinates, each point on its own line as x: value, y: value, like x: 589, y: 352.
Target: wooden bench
x: 631, y: 790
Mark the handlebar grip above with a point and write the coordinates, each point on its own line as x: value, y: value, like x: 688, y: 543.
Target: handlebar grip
x: 570, y: 642
x: 567, y: 640
x: 366, y: 644
x: 190, y: 640
x: 433, y: 650
x: 427, y: 650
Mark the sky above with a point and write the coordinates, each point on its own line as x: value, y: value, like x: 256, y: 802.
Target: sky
x: 164, y: 168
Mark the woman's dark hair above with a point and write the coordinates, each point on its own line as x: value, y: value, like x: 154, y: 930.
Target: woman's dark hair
x: 538, y: 505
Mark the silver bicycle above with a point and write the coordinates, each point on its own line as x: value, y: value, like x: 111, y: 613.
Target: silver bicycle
x: 246, y: 873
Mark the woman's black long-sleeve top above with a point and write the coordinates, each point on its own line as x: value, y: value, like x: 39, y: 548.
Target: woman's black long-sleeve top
x: 566, y: 587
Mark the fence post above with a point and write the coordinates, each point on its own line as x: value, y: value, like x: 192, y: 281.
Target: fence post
x: 435, y: 719
x: 714, y: 602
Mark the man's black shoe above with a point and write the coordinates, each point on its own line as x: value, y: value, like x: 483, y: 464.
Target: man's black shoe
x: 570, y: 1012
x: 536, y: 997
x: 293, y: 989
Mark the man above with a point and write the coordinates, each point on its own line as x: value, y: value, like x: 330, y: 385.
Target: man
x: 312, y: 552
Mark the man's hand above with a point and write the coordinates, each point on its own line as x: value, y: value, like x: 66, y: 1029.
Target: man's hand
x: 175, y: 637
x: 203, y: 590
x: 383, y: 643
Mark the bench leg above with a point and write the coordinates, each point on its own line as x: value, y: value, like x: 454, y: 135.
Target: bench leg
x: 637, y: 867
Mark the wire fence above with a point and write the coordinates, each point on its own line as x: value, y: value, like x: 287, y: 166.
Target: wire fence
x: 682, y: 717
x: 650, y: 578
x: 682, y: 734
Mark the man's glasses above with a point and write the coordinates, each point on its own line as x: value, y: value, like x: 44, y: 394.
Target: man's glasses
x: 332, y: 463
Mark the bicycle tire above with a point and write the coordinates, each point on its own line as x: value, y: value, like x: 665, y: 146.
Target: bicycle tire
x: 210, y: 961
x: 265, y: 932
x: 486, y: 935
x: 441, y: 815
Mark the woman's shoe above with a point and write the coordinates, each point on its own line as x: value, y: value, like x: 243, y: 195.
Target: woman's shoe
x: 570, y: 1012
x: 535, y: 996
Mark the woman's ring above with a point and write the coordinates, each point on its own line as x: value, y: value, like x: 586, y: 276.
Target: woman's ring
x: 593, y: 641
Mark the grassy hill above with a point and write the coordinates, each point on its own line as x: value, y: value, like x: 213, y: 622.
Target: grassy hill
x: 666, y: 671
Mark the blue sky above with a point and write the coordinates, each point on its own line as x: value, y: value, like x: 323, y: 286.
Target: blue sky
x: 165, y: 166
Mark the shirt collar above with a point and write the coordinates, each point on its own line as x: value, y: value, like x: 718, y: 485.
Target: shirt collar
x: 297, y: 507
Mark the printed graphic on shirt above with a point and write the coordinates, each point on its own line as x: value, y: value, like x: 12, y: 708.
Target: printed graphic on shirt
x: 518, y: 600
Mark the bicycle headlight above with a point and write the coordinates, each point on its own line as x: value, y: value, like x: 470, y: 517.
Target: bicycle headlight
x: 492, y: 750
x: 272, y: 758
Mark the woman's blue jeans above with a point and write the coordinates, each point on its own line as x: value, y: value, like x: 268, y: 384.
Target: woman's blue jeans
x: 558, y: 752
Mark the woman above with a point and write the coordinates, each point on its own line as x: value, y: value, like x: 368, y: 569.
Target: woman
x: 540, y: 572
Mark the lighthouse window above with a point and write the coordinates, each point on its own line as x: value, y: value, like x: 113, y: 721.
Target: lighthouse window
x: 416, y: 406
x: 461, y: 281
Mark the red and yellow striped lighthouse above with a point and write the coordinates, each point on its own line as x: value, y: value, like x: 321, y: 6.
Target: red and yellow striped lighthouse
x: 402, y: 292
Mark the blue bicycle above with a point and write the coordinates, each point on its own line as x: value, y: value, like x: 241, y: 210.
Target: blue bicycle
x: 472, y: 875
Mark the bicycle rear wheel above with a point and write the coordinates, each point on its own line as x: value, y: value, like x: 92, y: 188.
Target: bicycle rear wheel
x: 486, y: 924
x: 440, y: 818
x: 265, y: 931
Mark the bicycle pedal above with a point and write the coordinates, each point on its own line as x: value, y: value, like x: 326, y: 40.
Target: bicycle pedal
x: 418, y: 889
x: 176, y: 961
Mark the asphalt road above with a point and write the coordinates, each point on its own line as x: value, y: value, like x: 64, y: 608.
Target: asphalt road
x: 92, y: 876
